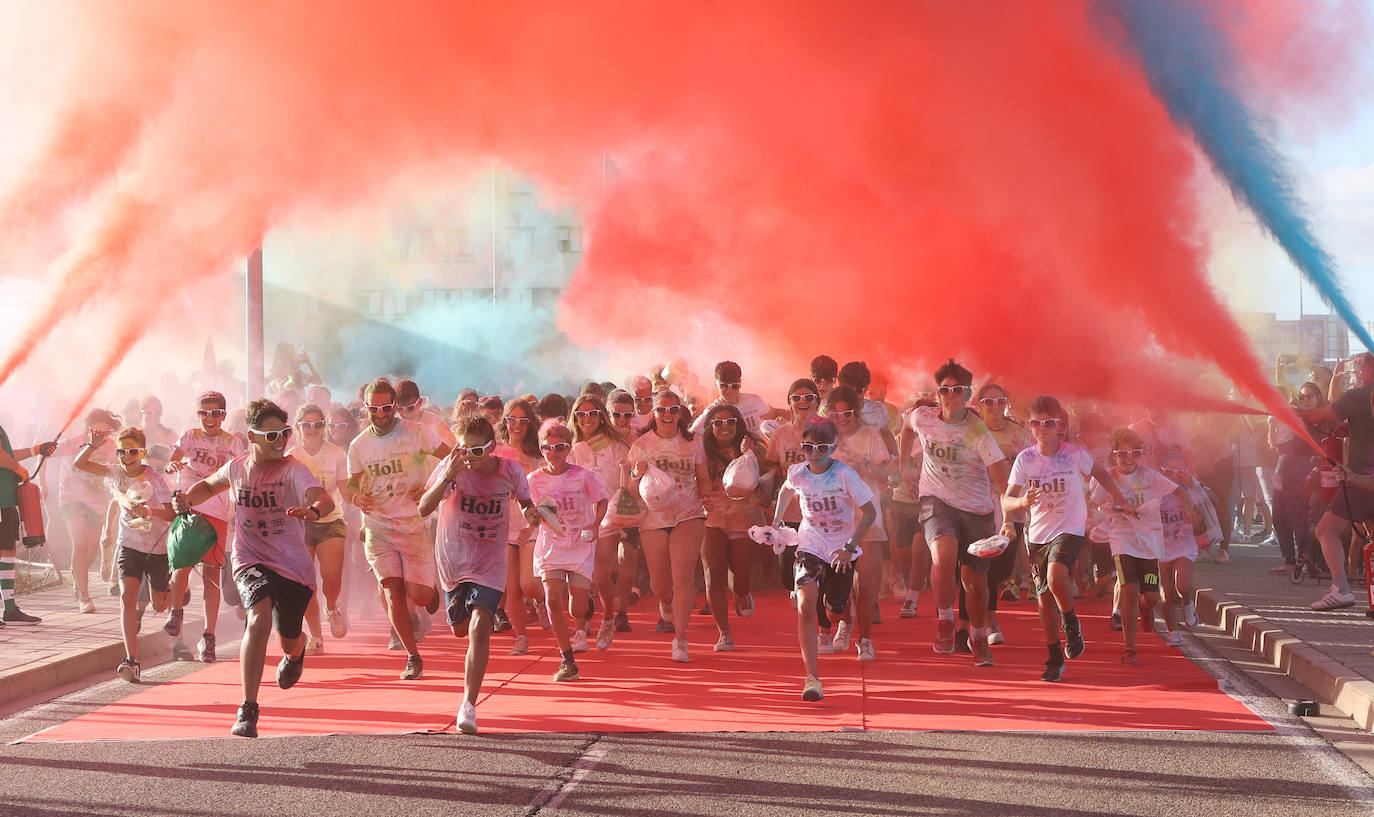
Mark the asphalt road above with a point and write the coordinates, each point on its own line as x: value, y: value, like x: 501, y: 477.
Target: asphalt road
x: 1289, y: 773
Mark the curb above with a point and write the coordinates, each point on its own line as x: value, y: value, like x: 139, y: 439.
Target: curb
x: 1331, y: 681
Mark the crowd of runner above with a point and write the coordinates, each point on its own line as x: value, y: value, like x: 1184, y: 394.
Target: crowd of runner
x: 508, y: 512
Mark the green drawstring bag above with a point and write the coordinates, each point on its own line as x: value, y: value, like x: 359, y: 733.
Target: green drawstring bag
x: 189, y: 538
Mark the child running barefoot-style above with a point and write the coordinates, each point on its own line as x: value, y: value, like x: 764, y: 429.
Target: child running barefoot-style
x: 837, y: 509
x: 564, y: 560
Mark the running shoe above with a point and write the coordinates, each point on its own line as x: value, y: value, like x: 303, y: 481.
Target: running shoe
x: 129, y: 670
x: 1174, y: 639
x: 1282, y: 569
x: 205, y: 648
x: 415, y: 668
x: 1222, y: 557
x: 866, y: 649
x: 1073, y: 640
x: 825, y: 644
x: 841, y: 641
x: 982, y: 652
x: 995, y: 637
x: 87, y: 606
x: 1116, y: 621
x: 246, y: 726
x: 112, y: 588
x: 726, y: 643
x: 1333, y: 600
x: 13, y: 615
x: 811, y: 690
x: 521, y: 645
x: 395, y: 642
x: 635, y: 595
x: 679, y: 653
x: 908, y: 609
x: 961, y: 642
x: 313, y: 645
x: 1054, y: 670
x: 579, y: 641
x: 500, y: 622
x: 1190, y: 614
x: 567, y: 671
x: 605, y: 635
x: 744, y: 608
x: 664, y: 626
x: 1129, y: 658
x: 1011, y: 590
x: 899, y: 588
x: 944, y: 637
x: 338, y: 623
x: 172, y: 626
x: 467, y: 718
x: 622, y: 622
x: 289, y: 671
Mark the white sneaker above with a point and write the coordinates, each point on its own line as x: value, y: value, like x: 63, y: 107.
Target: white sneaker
x: 680, y: 650
x: 605, y: 635
x: 1174, y: 639
x: 338, y: 623
x: 841, y: 640
x: 995, y: 637
x: 1190, y: 614
x: 1334, y: 600
x: 467, y: 719
x: 87, y: 606
x: 521, y: 645
x: 726, y: 643
x: 313, y: 645
x: 744, y: 608
x: 579, y: 641
x: 825, y: 645
x: 866, y: 649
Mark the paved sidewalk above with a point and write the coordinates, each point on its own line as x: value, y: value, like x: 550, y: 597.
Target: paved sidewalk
x: 1327, y: 652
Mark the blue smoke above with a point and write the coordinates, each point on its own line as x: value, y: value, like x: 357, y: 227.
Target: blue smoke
x: 1189, y: 64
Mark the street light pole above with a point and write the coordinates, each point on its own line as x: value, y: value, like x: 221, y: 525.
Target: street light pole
x: 253, y: 326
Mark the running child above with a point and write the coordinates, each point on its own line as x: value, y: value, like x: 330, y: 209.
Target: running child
x: 325, y: 537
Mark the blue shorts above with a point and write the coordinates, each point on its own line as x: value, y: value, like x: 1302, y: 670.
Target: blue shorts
x: 462, y: 599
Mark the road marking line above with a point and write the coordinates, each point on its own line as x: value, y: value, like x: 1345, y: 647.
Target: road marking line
x: 551, y: 796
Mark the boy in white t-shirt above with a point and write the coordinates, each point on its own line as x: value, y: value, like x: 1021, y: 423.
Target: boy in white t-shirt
x: 1048, y: 479
x: 729, y: 379
x: 472, y: 490
x: 1136, y: 533
x: 565, y: 561
x: 837, y: 510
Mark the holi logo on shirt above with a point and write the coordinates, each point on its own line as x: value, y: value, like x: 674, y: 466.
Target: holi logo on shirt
x: 208, y: 459
x: 822, y: 504
x: 1053, y: 486
x: 385, y: 469
x: 493, y: 506
x: 260, y: 499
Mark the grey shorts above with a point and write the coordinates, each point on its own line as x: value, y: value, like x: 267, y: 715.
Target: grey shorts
x: 468, y: 596
x: 317, y: 532
x: 939, y: 518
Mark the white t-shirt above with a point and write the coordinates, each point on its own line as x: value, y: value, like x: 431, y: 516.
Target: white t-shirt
x: 1143, y: 537
x: 264, y: 534
x: 1063, y: 505
x: 1179, y: 541
x: 784, y: 448
x: 204, y: 455
x: 474, y: 524
x: 576, y: 492
x: 874, y: 414
x: 865, y: 447
x: 393, y: 466
x: 830, y: 504
x: 955, y: 459
x: 330, y: 467
x: 751, y: 406
x: 602, y: 456
x: 77, y: 486
x: 517, y: 529
x: 678, y: 457
x: 153, y: 488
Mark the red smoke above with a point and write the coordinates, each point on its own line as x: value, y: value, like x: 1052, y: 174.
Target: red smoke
x: 899, y: 182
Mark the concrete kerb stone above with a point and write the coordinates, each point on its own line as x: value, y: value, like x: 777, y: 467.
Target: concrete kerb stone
x: 153, y: 648
x: 1331, y: 681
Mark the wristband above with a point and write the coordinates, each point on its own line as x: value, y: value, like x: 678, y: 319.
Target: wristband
x: 850, y: 547
x: 318, y: 515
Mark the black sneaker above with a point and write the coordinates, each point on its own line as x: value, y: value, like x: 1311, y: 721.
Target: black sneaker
x: 622, y: 622
x: 172, y: 626
x: 13, y: 615
x: 961, y: 642
x: 247, y: 724
x: 1116, y: 621
x: 1073, y: 641
x: 289, y: 672
x: 1054, y: 670
x: 664, y: 626
x: 500, y: 622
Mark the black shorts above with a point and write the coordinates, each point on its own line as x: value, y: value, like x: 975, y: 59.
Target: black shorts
x: 9, y: 528
x: 463, y: 599
x: 939, y: 518
x: 1353, y: 503
x: 289, y: 598
x: 1137, y: 571
x: 834, y: 585
x: 1063, y: 549
x: 135, y: 564
x: 317, y: 532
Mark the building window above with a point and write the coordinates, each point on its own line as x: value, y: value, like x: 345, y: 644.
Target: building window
x: 569, y: 239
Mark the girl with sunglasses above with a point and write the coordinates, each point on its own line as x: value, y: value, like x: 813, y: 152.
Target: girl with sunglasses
x: 199, y: 453
x: 727, y: 554
x: 861, y: 447
x: 784, y: 449
x: 564, y: 561
x: 517, y: 439
x: 1135, y: 529
x: 671, y: 533
x: 599, y: 447
x: 324, y: 538
x: 837, y: 510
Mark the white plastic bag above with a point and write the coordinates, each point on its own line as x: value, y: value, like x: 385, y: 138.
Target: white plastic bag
x: 625, y: 511
x: 548, y: 511
x: 657, y: 488
x: 741, y: 476
x: 991, y: 546
x: 776, y: 538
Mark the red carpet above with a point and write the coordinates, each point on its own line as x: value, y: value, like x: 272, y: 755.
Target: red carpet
x: 635, y: 687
